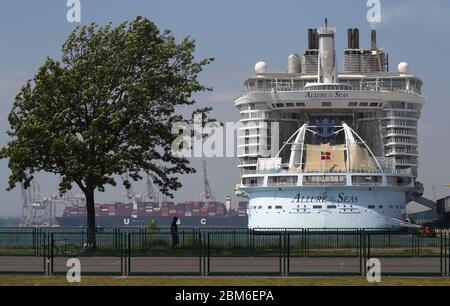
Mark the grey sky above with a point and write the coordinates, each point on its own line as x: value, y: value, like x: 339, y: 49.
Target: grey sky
x: 238, y: 34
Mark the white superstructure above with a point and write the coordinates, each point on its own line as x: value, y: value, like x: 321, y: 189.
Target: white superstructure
x: 365, y: 114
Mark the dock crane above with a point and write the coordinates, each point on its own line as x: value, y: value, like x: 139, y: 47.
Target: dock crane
x: 150, y: 192
x: 131, y: 195
x: 207, y: 195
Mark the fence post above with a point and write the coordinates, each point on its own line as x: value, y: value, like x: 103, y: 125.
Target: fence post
x: 337, y: 239
x: 198, y: 248
x: 128, y: 266
x: 360, y: 252
x: 308, y: 243
x: 303, y: 242
x: 52, y: 241
x: 35, y: 246
x: 253, y: 244
x: 115, y: 239
x: 183, y: 244
x: 288, y: 254
x: 365, y: 251
x: 203, y: 246
x: 209, y: 255
x: 442, y: 256
x: 45, y: 247
x: 122, y: 254
x: 281, y: 261
x: 248, y: 238
x: 447, y: 252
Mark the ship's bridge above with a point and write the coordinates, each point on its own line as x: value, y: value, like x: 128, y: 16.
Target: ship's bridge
x: 383, y: 81
x: 280, y: 91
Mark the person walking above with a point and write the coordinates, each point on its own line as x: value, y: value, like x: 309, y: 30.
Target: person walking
x: 174, y: 232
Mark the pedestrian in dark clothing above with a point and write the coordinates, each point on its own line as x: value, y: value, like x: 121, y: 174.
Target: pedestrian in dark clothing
x: 174, y: 232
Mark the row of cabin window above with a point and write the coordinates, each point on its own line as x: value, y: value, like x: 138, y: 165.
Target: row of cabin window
x: 292, y: 180
x: 331, y: 207
x: 327, y: 104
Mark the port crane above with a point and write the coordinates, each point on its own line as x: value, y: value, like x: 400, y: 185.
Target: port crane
x: 130, y: 194
x: 39, y: 210
x: 207, y: 194
x: 150, y: 192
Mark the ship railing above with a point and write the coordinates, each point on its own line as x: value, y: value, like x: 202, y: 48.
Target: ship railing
x: 368, y: 184
x: 321, y: 172
x: 324, y: 183
x: 273, y: 89
x: 252, y: 185
x: 281, y: 184
x: 318, y: 183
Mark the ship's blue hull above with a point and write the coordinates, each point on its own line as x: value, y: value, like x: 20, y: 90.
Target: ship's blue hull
x: 120, y: 221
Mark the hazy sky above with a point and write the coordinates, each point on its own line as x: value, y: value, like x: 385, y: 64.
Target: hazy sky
x: 238, y: 34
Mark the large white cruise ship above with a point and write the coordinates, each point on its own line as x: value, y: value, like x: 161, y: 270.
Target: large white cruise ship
x: 346, y: 153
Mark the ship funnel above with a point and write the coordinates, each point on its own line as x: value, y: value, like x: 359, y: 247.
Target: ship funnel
x: 313, y: 39
x: 353, y: 38
x: 310, y: 38
x: 327, y: 55
x: 350, y: 38
x: 373, y: 37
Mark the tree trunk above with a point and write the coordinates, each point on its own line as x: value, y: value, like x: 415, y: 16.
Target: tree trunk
x: 91, y: 229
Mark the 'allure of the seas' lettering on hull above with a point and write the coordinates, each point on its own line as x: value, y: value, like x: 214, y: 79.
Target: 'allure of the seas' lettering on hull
x: 342, y: 198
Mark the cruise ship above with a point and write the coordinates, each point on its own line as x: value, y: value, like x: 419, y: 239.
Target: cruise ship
x: 320, y: 148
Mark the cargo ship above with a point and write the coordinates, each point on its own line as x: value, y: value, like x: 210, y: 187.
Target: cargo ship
x: 141, y: 214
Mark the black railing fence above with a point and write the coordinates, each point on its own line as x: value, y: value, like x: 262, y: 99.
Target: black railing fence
x: 224, y: 251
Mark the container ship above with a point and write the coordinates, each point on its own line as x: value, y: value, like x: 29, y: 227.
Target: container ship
x: 320, y: 148
x: 141, y: 214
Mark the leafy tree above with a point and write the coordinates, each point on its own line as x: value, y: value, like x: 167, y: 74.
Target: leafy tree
x: 104, y: 110
x: 151, y: 225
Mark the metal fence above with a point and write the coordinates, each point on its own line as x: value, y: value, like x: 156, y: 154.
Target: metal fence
x: 233, y: 251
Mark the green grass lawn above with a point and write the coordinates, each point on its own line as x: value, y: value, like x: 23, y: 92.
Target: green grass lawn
x: 16, y: 280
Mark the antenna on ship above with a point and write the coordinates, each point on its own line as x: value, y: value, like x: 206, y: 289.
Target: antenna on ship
x: 207, y: 194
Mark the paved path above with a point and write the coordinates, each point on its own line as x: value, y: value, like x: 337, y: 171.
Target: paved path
x: 221, y: 265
